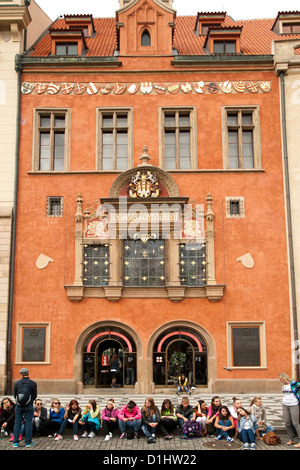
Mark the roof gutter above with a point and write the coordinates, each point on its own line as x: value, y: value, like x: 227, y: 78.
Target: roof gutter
x: 289, y: 217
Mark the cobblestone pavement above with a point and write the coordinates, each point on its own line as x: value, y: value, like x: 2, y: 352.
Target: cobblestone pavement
x: 116, y: 447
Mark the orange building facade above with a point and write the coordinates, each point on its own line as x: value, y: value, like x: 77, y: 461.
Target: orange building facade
x: 151, y: 210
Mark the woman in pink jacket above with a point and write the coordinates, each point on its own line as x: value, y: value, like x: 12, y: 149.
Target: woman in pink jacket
x: 109, y: 417
x: 130, y: 418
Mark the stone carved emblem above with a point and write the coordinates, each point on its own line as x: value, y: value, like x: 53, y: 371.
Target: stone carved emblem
x: 144, y: 184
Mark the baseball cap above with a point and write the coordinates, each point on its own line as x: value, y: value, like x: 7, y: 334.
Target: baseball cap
x: 24, y: 371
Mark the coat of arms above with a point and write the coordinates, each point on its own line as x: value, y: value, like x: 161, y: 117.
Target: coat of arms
x: 144, y: 184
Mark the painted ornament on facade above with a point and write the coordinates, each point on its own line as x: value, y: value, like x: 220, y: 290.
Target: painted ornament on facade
x: 146, y: 88
x: 265, y: 87
x: 119, y: 88
x: 186, y: 87
x: 67, y: 88
x: 213, y: 87
x: 252, y: 87
x: 239, y: 87
x: 26, y: 88
x: 226, y: 87
x: 159, y: 88
x: 200, y: 87
x: 132, y: 88
x: 92, y: 89
x: 144, y: 184
x: 53, y: 89
x: 106, y: 89
x: 40, y: 88
x: 173, y: 88
x: 80, y: 88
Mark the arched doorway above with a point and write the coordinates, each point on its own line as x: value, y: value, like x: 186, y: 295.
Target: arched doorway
x: 179, y: 350
x: 100, y: 346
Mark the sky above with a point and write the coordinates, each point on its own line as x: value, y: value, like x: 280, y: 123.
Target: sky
x: 238, y: 10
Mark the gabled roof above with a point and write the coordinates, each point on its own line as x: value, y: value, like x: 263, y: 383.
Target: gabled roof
x: 256, y: 37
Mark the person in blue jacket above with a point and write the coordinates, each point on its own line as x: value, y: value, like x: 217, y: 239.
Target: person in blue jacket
x: 53, y: 423
x: 247, y: 428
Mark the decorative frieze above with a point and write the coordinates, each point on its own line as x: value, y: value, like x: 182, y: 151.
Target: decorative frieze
x: 148, y: 88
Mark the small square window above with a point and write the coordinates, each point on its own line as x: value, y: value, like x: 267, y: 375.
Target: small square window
x: 54, y: 206
x: 235, y: 207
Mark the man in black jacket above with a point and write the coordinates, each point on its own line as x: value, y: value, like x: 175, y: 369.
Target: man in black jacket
x: 25, y: 392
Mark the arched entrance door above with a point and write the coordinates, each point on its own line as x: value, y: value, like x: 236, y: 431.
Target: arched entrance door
x: 100, y: 349
x: 176, y: 352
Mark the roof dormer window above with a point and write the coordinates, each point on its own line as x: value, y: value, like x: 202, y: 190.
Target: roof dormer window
x: 224, y: 47
x: 287, y: 23
x: 205, y: 21
x: 224, y: 40
x: 206, y: 26
x: 291, y: 28
x: 66, y: 48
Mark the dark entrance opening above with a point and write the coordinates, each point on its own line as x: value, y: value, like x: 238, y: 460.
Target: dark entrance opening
x: 101, y: 348
x: 177, y: 352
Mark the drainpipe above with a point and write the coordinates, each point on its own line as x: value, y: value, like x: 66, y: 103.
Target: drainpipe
x: 289, y: 217
x: 18, y: 68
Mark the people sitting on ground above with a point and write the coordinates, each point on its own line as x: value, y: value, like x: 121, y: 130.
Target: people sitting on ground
x: 109, y: 419
x: 247, y: 427
x: 185, y: 412
x: 257, y: 409
x: 224, y: 424
x: 72, y: 416
x: 201, y: 411
x: 150, y: 419
x: 168, y: 419
x: 90, y: 420
x: 39, y: 416
x: 236, y: 403
x: 212, y: 413
x: 7, y: 416
x: 130, y: 418
x: 54, y: 421
x: 183, y: 385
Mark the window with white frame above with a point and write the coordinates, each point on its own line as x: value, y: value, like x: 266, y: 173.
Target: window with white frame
x: 241, y: 138
x: 115, y: 132
x: 51, y: 140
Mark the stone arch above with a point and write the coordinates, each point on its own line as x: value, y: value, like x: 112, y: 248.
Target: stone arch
x: 78, y: 353
x: 166, y: 179
x: 184, y: 324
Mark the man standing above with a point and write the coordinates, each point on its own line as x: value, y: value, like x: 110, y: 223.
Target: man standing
x: 25, y: 392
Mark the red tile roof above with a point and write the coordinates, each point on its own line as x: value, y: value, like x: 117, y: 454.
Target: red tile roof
x: 256, y: 37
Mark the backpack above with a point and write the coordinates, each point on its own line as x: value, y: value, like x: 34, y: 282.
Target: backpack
x: 129, y: 433
x: 23, y: 397
x: 192, y: 429
x: 271, y: 438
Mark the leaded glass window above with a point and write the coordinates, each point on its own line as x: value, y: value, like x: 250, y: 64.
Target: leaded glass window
x: 96, y: 265
x: 144, y: 263
x: 192, y: 264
